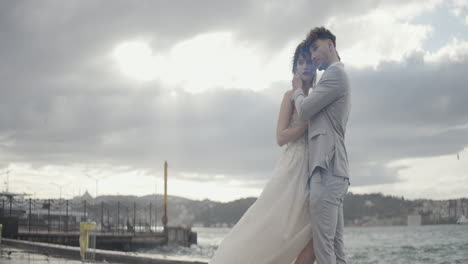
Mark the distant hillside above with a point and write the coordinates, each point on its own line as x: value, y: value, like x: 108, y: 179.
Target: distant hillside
x: 359, y: 209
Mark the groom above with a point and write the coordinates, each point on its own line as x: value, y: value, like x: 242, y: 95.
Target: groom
x: 327, y: 109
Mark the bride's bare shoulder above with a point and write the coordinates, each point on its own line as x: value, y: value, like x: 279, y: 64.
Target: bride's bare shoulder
x: 287, y: 94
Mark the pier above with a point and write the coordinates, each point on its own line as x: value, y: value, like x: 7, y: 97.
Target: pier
x: 178, y: 236
x: 121, y: 224
x: 57, y: 221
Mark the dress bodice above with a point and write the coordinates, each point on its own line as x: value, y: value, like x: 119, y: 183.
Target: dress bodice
x: 294, y: 122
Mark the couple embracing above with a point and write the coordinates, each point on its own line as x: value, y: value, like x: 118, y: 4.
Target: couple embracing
x: 298, y: 217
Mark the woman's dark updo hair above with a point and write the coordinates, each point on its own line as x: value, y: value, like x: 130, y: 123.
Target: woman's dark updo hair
x: 301, y: 50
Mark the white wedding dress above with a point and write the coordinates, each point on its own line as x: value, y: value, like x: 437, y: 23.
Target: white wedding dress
x: 277, y: 226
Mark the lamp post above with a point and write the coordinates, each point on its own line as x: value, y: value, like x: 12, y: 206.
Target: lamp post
x: 7, y: 172
x: 60, y: 186
x: 164, y: 218
x: 97, y: 179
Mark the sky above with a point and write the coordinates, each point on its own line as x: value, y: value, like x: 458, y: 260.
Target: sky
x: 97, y: 95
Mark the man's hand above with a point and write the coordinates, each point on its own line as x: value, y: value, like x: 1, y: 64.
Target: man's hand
x: 296, y: 82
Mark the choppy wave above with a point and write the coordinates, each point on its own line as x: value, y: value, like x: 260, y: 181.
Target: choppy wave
x: 366, y: 245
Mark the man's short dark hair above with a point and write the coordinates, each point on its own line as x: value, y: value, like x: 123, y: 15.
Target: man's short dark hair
x: 319, y: 33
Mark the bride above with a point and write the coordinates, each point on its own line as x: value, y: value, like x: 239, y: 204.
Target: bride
x: 276, y: 229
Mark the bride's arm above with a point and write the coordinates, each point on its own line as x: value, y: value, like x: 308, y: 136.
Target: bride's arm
x: 283, y: 133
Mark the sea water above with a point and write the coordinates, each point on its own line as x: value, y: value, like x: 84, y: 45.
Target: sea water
x: 436, y: 244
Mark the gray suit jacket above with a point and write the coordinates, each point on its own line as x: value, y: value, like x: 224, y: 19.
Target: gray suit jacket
x: 327, y: 108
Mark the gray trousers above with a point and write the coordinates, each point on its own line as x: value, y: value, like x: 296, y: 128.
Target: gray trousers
x: 326, y: 211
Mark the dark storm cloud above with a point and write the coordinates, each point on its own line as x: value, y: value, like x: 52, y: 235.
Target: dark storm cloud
x: 226, y: 131
x: 46, y: 37
x: 412, y: 108
x: 406, y: 110
x: 61, y: 104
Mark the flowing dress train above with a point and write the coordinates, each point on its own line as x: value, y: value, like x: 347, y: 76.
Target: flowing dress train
x: 277, y: 226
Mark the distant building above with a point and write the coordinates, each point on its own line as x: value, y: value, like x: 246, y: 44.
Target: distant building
x: 414, y: 220
x: 198, y: 224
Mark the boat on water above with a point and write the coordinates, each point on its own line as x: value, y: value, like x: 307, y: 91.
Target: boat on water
x: 462, y: 220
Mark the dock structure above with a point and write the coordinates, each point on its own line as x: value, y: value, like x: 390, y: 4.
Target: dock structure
x: 113, y: 234
x: 121, y: 225
x: 177, y: 236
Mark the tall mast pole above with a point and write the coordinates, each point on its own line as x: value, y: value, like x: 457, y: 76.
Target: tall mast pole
x: 164, y: 220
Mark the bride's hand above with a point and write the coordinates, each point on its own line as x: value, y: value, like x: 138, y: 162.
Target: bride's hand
x: 296, y: 82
